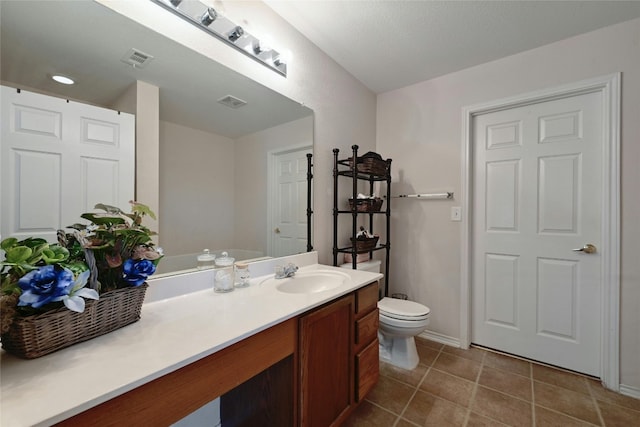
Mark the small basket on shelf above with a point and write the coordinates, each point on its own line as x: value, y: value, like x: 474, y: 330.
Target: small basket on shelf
x: 371, y: 163
x: 366, y: 205
x: 365, y: 244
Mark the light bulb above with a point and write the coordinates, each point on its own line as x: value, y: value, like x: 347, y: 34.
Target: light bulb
x: 63, y: 79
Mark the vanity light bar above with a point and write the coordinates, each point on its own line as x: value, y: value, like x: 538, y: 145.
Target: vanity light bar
x: 209, y: 20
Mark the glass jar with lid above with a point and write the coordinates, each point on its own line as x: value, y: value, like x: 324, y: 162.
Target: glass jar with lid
x: 242, y: 275
x: 224, y: 276
x: 206, y: 260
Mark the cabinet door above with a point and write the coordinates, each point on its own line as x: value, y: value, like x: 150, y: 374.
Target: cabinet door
x: 326, y: 363
x: 367, y: 369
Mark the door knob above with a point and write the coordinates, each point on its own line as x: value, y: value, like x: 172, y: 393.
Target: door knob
x: 587, y: 249
x: 277, y: 230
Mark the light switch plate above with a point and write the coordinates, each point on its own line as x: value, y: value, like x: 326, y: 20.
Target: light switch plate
x: 456, y: 213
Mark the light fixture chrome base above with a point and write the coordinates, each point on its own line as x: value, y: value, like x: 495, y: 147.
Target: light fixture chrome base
x: 209, y: 20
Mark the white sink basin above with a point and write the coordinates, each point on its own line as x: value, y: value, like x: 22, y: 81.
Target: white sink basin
x: 309, y: 282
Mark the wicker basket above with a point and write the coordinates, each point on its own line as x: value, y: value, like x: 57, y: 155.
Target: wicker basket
x: 34, y: 336
x: 365, y: 245
x: 367, y: 205
x: 371, y: 166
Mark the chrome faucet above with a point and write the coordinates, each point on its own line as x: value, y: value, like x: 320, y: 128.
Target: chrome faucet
x: 284, y: 271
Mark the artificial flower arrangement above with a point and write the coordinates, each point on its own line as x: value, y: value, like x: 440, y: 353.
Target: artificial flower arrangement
x: 114, y: 251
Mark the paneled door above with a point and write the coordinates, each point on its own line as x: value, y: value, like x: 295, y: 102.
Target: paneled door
x: 288, y: 204
x: 58, y: 159
x: 535, y: 266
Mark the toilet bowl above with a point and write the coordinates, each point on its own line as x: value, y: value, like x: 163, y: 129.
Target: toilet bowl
x: 400, y: 322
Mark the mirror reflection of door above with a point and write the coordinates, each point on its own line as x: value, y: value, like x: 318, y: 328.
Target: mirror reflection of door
x: 58, y: 159
x: 287, y: 201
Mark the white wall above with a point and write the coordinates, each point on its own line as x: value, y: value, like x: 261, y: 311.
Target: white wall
x: 420, y: 128
x: 251, y: 154
x: 197, y: 190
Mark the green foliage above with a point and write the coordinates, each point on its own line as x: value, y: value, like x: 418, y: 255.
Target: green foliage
x: 114, y: 236
x: 55, y: 254
x: 23, y: 256
x: 28, y: 254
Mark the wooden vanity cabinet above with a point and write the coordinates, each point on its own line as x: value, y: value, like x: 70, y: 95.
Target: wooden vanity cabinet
x: 325, y: 363
x: 366, y: 352
x: 311, y: 370
x: 338, y: 354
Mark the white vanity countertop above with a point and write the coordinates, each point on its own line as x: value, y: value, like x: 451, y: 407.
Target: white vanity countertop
x: 172, y: 333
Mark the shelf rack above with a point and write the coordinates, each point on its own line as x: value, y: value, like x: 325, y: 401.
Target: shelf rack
x: 348, y: 168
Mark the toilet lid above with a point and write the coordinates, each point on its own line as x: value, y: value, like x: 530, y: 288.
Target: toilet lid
x: 402, y: 309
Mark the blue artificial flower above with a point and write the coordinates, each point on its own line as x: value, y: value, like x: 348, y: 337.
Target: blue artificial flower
x: 46, y: 284
x: 136, y: 272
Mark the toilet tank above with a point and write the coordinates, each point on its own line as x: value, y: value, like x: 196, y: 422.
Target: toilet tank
x: 372, y: 266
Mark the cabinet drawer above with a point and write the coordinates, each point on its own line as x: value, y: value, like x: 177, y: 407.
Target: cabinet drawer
x: 366, y: 299
x: 366, y: 329
x: 367, y: 370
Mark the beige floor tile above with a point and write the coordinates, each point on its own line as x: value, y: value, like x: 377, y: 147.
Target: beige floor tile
x: 411, y: 378
x: 502, y: 394
x: 472, y: 353
x: 477, y: 420
x: 569, y: 402
x: 506, y: 382
x: 560, y: 378
x: 605, y: 395
x: 548, y: 418
x: 506, y: 363
x: 428, y: 410
x: 405, y: 423
x: 391, y: 394
x: 427, y: 354
x: 449, y: 387
x: 499, y: 406
x: 432, y: 344
x: 369, y: 415
x: 465, y: 368
x: 617, y: 416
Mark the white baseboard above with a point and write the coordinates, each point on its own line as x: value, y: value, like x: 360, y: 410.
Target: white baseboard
x: 443, y: 339
x: 630, y: 391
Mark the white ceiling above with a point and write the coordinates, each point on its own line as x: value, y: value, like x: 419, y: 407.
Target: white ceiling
x: 391, y: 44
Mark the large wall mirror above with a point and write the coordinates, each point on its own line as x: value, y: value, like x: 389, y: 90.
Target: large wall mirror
x: 221, y: 182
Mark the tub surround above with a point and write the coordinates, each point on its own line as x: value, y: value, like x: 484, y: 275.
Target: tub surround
x: 183, y: 321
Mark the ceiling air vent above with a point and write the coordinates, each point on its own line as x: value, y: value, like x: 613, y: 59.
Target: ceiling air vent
x: 232, y: 101
x: 136, y: 58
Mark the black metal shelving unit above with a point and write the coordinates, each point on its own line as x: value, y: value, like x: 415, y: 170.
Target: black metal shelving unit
x: 348, y: 168
x: 309, y: 201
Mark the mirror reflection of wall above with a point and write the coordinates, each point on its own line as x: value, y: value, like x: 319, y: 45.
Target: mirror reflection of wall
x: 212, y: 186
x: 225, y: 183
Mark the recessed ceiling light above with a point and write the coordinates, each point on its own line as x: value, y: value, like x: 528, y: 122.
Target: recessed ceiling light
x: 62, y: 79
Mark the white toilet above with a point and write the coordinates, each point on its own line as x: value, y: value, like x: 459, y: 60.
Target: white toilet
x: 400, y: 322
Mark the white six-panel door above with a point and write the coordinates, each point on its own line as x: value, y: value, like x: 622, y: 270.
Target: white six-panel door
x: 537, y: 197
x: 58, y: 159
x: 289, y: 204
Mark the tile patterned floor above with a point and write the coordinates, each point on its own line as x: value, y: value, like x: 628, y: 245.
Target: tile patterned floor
x: 475, y: 387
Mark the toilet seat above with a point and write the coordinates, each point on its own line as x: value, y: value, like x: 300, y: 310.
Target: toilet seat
x: 402, y: 309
